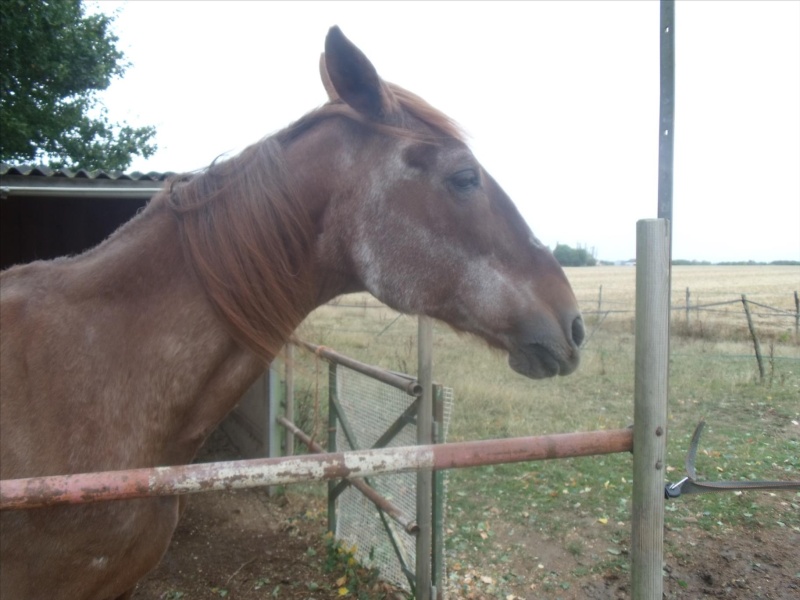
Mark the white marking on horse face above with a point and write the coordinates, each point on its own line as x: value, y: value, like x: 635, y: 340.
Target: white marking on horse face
x: 100, y: 562
x: 368, y: 263
x: 482, y: 292
x: 372, y: 237
x: 491, y: 295
x: 391, y: 169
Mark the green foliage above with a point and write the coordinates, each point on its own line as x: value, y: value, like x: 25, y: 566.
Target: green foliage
x: 54, y: 59
x: 573, y: 257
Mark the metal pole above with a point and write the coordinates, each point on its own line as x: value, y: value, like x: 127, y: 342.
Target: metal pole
x: 332, y: 392
x: 437, y: 530
x: 273, y: 449
x: 666, y: 115
x: 409, y: 385
x: 80, y: 488
x: 424, y: 475
x: 289, y: 410
x: 650, y: 407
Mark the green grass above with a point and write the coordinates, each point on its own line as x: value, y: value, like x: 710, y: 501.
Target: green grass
x: 752, y: 432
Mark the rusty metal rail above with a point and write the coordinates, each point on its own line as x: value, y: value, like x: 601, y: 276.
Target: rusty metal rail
x: 38, y: 492
x: 402, y: 382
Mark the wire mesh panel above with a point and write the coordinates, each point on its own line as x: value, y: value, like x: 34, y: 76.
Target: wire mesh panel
x: 370, y: 408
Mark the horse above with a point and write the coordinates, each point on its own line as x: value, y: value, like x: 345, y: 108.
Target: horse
x: 130, y: 354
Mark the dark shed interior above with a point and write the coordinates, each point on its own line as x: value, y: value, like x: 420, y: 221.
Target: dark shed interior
x: 46, y: 214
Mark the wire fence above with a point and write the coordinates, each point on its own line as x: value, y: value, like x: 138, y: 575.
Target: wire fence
x: 717, y: 319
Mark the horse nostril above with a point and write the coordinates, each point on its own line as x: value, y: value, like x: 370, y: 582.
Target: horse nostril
x: 578, y: 331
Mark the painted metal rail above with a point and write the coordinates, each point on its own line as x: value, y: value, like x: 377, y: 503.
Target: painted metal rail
x: 39, y: 492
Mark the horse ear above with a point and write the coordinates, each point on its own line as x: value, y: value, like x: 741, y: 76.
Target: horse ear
x: 354, y: 79
x: 326, y: 79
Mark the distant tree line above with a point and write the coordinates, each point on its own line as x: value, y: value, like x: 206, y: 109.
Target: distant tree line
x: 581, y: 257
x: 574, y: 257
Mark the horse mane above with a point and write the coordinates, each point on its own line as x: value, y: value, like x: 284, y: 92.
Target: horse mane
x: 248, y: 236
x: 247, y: 239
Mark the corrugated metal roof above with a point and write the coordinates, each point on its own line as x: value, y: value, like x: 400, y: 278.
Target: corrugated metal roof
x: 41, y: 171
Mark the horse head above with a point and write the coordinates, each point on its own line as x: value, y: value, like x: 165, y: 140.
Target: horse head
x: 429, y: 231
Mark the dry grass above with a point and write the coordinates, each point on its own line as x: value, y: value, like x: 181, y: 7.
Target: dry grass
x: 771, y: 286
x: 495, y: 402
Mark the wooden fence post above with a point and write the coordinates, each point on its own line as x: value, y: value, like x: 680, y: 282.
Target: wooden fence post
x: 600, y: 301
x: 756, y: 344
x: 688, y: 296
x: 796, y: 317
x: 650, y: 407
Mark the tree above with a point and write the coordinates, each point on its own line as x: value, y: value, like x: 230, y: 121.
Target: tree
x: 573, y: 257
x: 54, y: 58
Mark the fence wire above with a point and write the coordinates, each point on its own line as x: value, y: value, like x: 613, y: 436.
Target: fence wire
x: 371, y: 407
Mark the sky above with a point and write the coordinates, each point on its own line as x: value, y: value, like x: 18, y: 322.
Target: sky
x: 559, y: 99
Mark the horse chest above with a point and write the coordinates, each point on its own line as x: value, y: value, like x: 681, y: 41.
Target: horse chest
x: 89, y: 552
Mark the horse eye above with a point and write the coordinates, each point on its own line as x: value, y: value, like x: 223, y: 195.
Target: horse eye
x: 465, y: 180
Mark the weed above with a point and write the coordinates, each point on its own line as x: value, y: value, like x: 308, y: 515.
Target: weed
x: 356, y: 581
x: 575, y: 547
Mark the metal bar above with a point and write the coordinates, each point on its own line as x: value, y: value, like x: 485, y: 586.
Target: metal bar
x: 288, y: 449
x: 437, y: 531
x: 273, y: 447
x: 21, y: 191
x: 398, y: 425
x: 332, y: 493
x: 424, y: 475
x: 187, y: 479
x: 666, y: 115
x: 372, y: 495
x: 409, y: 385
x: 349, y: 434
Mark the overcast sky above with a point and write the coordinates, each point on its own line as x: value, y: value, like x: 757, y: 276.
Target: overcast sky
x: 560, y: 100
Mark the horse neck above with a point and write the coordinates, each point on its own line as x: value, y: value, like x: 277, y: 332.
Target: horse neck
x: 190, y: 343
x: 185, y: 369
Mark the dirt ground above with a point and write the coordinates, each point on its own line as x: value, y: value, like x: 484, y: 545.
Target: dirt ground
x: 245, y: 544
x: 248, y: 545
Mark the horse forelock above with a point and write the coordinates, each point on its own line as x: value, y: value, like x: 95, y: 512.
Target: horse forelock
x: 248, y: 239
x: 424, y: 112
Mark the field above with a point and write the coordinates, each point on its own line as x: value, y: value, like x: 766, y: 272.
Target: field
x: 561, y: 529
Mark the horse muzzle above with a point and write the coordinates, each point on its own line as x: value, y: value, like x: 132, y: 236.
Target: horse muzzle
x: 548, y: 353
